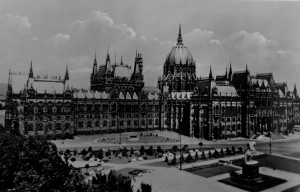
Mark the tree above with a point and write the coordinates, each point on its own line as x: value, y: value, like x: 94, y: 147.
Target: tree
x: 233, y: 150
x: 113, y: 182
x: 203, y: 155
x: 100, y: 154
x: 146, y: 187
x: 189, y: 158
x: 150, y: 151
x: 142, y: 150
x: 209, y: 154
x: 33, y: 164
x: 174, y: 162
x: 131, y: 151
x: 87, y: 166
x: 90, y: 149
x: 222, y: 152
x: 166, y: 159
x: 196, y: 156
x: 228, y: 152
x: 159, y: 149
x: 240, y: 150
x: 175, y: 148
x: 216, y: 153
x: 83, y: 152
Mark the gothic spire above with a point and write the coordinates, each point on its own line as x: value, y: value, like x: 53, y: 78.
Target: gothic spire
x: 31, y: 71
x: 179, y: 38
x: 210, y: 73
x: 121, y: 60
x: 67, y: 73
x: 226, y: 73
x: 95, y: 65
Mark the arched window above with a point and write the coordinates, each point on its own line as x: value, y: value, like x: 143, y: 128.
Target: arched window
x: 143, y: 121
x: 105, y: 123
x: 89, y: 124
x: 156, y: 121
x: 113, y: 123
x: 128, y: 122
x: 97, y: 124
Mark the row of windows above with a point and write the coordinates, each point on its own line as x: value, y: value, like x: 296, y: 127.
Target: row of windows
x: 122, y: 123
x: 49, y: 118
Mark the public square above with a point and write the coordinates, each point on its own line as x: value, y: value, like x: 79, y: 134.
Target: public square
x: 202, y: 175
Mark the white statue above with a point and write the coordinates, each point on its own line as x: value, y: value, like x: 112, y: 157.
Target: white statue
x: 250, y: 153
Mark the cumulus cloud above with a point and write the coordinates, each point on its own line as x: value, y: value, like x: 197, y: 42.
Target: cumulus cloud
x: 101, y: 22
x: 17, y: 22
x: 58, y: 40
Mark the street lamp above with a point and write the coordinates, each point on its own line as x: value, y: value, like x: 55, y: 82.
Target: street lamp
x: 270, y: 144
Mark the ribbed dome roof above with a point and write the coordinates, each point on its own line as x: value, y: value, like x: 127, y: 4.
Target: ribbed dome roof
x: 180, y: 54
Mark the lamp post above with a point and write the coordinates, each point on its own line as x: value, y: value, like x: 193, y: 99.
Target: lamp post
x: 270, y: 144
x: 180, y: 159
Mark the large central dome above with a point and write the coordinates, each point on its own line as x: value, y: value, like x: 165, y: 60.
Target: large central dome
x: 180, y: 54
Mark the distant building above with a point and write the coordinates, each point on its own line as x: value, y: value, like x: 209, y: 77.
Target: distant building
x: 235, y: 104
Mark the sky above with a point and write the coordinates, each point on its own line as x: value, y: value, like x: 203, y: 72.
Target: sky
x: 265, y: 35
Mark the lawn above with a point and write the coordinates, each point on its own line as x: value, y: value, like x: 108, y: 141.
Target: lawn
x: 213, y: 171
x: 281, y: 163
x: 126, y: 171
x: 269, y: 182
x: 293, y: 189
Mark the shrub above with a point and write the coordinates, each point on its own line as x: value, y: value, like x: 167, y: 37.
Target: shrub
x: 131, y: 151
x: 203, y: 155
x: 73, y: 159
x: 150, y: 151
x: 166, y: 159
x: 75, y: 152
x: 108, y: 153
x: 174, y: 162
x: 216, y: 154
x: 142, y: 150
x: 196, y: 157
x: 146, y: 187
x: 209, y: 154
x: 240, y: 150
x: 228, y: 152
x: 233, y: 150
x: 189, y: 158
x: 200, y: 144
x: 83, y: 152
x: 90, y: 149
x: 175, y: 148
x: 68, y: 151
x: 222, y: 152
x: 159, y: 149
x: 60, y: 152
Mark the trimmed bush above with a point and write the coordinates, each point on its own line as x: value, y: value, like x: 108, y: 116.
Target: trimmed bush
x: 233, y: 150
x: 73, y: 159
x: 203, y: 155
x: 222, y: 152
x: 209, y: 154
x: 83, y: 152
x: 166, y: 159
x: 196, y: 157
x: 175, y: 148
x: 228, y: 152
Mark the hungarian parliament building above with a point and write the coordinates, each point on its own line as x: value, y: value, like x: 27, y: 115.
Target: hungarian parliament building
x: 234, y: 104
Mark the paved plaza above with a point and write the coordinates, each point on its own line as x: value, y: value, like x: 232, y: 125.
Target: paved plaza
x: 285, y: 169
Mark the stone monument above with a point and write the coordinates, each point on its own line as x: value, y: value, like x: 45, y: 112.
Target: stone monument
x: 250, y: 168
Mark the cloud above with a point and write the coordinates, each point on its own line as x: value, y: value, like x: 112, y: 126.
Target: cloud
x: 58, y: 40
x: 101, y: 22
x: 17, y: 22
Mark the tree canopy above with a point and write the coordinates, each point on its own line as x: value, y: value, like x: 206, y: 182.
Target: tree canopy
x: 33, y: 164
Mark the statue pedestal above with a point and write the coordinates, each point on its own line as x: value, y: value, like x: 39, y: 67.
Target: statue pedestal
x: 250, y: 174
x: 250, y: 170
